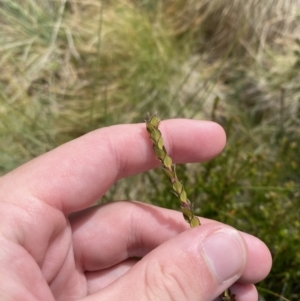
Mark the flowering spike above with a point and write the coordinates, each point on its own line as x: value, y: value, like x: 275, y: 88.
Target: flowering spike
x: 169, y: 168
x: 160, y: 151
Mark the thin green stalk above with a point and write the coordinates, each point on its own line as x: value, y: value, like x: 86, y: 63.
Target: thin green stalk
x: 169, y: 168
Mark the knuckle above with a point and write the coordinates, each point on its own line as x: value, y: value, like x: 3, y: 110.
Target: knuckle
x: 166, y: 282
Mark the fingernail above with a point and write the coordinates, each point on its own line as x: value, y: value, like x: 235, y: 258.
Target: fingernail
x: 225, y: 254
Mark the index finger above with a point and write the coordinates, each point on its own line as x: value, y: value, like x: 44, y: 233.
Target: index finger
x: 76, y: 174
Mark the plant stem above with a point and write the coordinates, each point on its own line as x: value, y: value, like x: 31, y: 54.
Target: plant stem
x: 152, y: 124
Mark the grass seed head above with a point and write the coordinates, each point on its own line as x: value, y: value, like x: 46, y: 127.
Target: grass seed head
x: 169, y: 168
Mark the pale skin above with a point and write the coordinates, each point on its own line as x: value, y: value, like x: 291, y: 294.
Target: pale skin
x: 54, y: 247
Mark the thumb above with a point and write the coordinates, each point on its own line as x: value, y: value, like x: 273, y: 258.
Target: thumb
x: 198, y: 264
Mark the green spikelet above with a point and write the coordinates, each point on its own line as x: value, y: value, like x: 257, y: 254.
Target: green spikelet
x: 169, y: 168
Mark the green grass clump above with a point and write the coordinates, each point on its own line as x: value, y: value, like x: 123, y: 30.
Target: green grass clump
x: 68, y: 67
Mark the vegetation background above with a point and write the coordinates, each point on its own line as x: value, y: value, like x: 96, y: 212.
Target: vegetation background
x: 70, y: 66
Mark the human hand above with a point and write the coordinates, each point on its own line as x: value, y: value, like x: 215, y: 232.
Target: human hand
x: 54, y: 246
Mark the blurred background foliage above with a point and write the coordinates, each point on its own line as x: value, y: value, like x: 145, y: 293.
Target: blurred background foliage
x: 69, y: 66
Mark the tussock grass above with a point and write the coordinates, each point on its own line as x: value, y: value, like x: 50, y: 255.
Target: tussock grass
x: 69, y: 66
